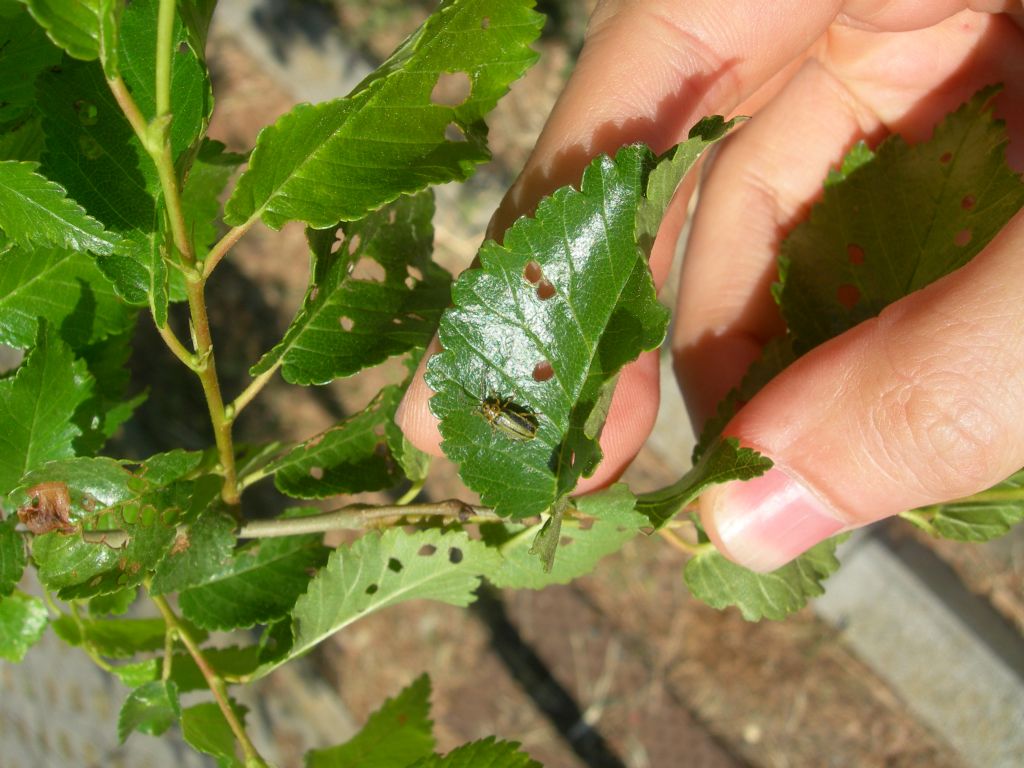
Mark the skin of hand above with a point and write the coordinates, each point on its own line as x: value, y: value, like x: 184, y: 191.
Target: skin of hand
x: 920, y: 405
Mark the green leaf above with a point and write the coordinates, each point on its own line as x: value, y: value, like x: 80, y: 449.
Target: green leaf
x: 92, y: 152
x: 373, y: 294
x: 108, y: 408
x: 12, y: 556
x: 721, y: 583
x: 37, y: 406
x: 24, y: 53
x: 609, y: 523
x: 486, y: 753
x: 350, y: 457
x: 103, y: 496
x: 982, y: 517
x: 74, y: 25
x: 259, y: 586
x: 723, y: 462
x: 35, y: 211
x: 200, y: 196
x: 206, y: 730
x: 113, y: 604
x: 191, y: 94
x: 381, y: 570
x: 113, y: 638
x: 196, y: 15
x: 201, y: 553
x: 897, y: 222
x: 568, y: 294
x: 339, y: 160
x: 22, y: 621
x: 64, y: 288
x: 151, y: 708
x: 397, y: 734
x: 23, y: 141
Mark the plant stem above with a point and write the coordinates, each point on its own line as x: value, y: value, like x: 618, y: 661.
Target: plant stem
x: 224, y: 245
x: 359, y: 516
x: 207, y: 372
x: 678, y: 542
x: 164, y: 53
x: 213, y: 680
x: 254, y: 388
x: 175, y: 345
x: 411, y: 494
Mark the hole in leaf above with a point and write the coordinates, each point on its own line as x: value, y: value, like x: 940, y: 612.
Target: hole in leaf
x: 586, y: 523
x: 565, y: 541
x: 336, y: 246
x: 962, y: 238
x: 410, y: 282
x: 314, y: 293
x: 545, y: 290
x: 353, y: 244
x: 848, y: 295
x: 532, y: 272
x: 485, y: 22
x: 451, y: 89
x: 453, y: 133
x: 395, y: 565
x: 346, y: 323
x: 945, y: 157
x: 968, y: 202
x: 369, y: 270
x: 856, y: 254
x: 543, y: 371
x: 372, y: 589
x: 427, y: 550
x: 455, y: 555
x: 392, y: 215
x: 183, y: 47
x: 317, y: 473
x: 415, y: 273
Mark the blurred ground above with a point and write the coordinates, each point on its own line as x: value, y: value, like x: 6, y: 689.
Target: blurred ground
x: 623, y: 667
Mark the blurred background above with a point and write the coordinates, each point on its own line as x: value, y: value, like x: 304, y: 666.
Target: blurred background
x: 915, y: 657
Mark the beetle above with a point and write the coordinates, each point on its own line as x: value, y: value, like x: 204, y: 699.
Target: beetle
x: 512, y: 420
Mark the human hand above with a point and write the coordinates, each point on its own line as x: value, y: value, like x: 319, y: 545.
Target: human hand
x: 921, y: 405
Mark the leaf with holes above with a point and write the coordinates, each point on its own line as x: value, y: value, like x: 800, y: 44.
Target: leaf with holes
x: 350, y: 457
x: 895, y: 221
x: 721, y: 583
x: 202, y: 552
x: 102, y: 495
x: 341, y: 159
x: 379, y: 570
x: 22, y: 622
x: 982, y: 517
x: 541, y: 328
x: 259, y: 585
x: 64, y: 288
x: 723, y: 462
x: 397, y: 734
x: 485, y: 753
x: 38, y: 405
x: 605, y: 522
x: 374, y: 293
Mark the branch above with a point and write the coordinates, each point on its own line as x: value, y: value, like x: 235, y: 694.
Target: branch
x: 213, y: 680
x: 224, y: 245
x: 359, y: 516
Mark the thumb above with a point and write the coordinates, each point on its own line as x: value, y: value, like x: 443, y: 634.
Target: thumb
x: 921, y: 405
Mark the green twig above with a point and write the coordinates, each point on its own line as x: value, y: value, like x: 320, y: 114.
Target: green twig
x: 174, y: 344
x: 213, y: 680
x: 360, y: 516
x: 250, y: 392
x: 225, y: 244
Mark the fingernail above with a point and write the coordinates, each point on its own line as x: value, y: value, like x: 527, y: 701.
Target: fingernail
x: 765, y: 522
